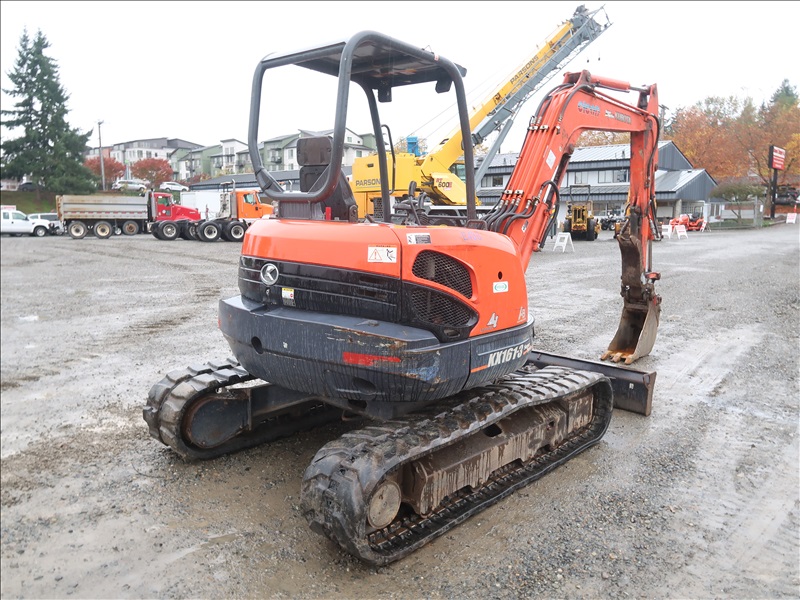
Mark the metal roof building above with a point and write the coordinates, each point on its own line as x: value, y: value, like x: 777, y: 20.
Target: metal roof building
x: 606, y: 169
x: 680, y: 188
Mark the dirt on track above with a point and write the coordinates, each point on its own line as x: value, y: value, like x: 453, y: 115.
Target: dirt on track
x: 699, y: 500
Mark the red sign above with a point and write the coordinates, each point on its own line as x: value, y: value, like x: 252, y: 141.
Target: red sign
x: 777, y: 158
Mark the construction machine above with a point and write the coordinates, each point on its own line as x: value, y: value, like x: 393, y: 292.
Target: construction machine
x: 579, y: 221
x: 421, y: 331
x: 440, y: 172
x: 692, y: 222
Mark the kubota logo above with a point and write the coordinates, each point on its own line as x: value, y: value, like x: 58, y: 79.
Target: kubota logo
x: 589, y: 109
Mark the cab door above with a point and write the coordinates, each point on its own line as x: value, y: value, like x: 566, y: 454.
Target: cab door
x: 250, y: 207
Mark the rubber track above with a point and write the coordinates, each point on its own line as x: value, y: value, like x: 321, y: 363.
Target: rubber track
x: 338, y: 483
x: 170, y: 398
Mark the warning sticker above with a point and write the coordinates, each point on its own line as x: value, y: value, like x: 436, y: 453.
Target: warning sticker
x: 382, y: 254
x: 418, y: 238
x: 288, y: 296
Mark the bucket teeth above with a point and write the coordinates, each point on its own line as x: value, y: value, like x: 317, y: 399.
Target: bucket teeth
x: 636, y: 333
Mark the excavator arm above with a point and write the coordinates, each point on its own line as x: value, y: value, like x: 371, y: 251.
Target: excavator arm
x: 530, y: 202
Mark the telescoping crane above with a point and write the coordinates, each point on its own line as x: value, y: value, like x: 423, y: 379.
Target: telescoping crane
x: 439, y: 173
x: 425, y: 330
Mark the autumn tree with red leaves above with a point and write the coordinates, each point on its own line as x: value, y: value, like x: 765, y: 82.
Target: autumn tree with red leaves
x: 730, y: 138
x: 112, y: 168
x: 154, y: 170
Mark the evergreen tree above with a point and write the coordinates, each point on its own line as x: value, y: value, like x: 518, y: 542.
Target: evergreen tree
x: 49, y: 151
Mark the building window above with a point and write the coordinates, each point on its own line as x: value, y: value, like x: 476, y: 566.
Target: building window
x: 605, y: 177
x: 358, y: 154
x: 580, y: 177
x: 497, y: 181
x: 622, y: 176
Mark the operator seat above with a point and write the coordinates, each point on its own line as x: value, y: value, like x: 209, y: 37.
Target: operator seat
x: 314, y: 157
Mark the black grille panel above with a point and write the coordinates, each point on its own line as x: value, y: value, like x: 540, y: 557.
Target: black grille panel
x: 445, y: 315
x: 323, y: 289
x: 358, y: 294
x: 443, y: 270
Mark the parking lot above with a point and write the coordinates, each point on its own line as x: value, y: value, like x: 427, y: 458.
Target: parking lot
x: 698, y: 500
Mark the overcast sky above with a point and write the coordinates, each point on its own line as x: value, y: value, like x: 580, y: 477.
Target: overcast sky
x: 184, y: 69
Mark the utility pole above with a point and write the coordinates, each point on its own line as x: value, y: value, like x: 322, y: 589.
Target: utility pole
x: 102, y: 162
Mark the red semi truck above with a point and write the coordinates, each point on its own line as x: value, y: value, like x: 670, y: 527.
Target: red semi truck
x: 226, y: 215
x: 105, y: 215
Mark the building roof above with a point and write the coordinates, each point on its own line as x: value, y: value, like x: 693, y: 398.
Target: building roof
x: 607, y: 152
x: 583, y: 154
x: 242, y: 180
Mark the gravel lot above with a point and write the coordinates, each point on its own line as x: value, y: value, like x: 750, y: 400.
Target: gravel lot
x: 698, y: 500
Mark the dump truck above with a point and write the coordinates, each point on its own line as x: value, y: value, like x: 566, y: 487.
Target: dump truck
x: 105, y: 215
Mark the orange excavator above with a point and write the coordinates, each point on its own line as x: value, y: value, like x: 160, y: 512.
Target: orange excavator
x: 423, y: 331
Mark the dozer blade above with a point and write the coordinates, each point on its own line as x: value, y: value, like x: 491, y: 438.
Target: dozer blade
x: 633, y: 390
x: 636, y: 333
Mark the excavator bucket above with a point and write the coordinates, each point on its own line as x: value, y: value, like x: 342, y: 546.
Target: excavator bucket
x: 636, y: 333
x: 638, y: 324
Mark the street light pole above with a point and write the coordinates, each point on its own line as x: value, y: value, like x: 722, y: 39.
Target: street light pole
x: 102, y: 162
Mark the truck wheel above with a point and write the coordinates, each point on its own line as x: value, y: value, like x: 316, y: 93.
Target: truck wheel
x: 234, y: 231
x: 40, y: 231
x: 208, y: 232
x: 591, y: 234
x: 130, y: 228
x: 156, y: 231
x: 103, y: 230
x: 169, y: 231
x: 185, y: 232
x: 77, y: 230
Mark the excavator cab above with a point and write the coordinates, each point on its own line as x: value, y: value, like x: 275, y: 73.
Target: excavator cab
x: 377, y: 64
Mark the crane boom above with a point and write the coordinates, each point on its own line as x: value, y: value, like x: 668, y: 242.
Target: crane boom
x: 432, y: 172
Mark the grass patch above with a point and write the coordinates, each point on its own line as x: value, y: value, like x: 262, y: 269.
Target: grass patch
x: 29, y: 202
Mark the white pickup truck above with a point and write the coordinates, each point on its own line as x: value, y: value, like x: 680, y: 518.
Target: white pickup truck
x: 15, y: 222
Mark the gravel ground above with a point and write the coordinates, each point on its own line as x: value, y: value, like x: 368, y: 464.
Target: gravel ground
x: 698, y: 500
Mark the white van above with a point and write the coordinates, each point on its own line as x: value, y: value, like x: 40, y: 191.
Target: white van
x: 130, y: 185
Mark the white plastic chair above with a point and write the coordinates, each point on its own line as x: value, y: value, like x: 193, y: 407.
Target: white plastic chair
x: 666, y: 231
